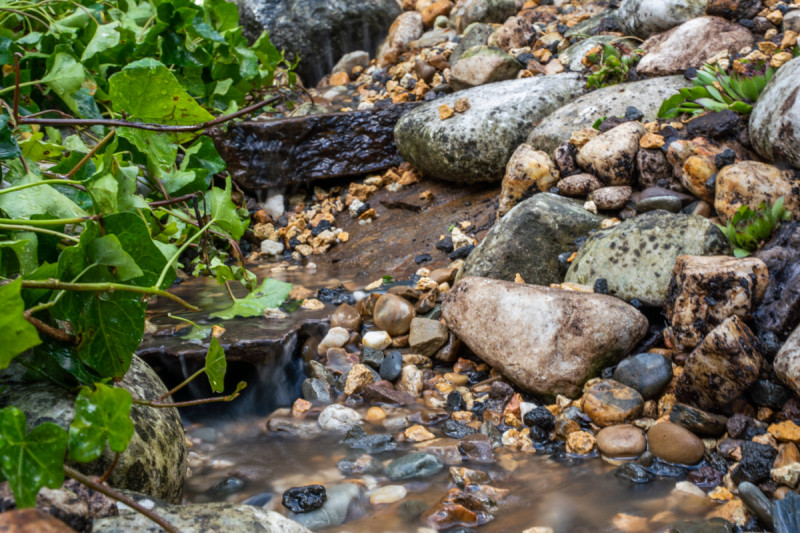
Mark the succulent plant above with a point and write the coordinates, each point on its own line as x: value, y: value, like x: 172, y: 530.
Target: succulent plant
x: 748, y: 229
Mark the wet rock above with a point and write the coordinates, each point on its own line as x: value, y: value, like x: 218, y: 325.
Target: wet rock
x: 334, y: 511
x: 539, y: 417
x: 334, y: 29
x: 387, y: 494
x: 427, y: 336
x: 229, y: 485
x: 529, y: 239
x: 774, y: 123
x: 446, y: 450
x: 477, y: 448
x: 462, y: 476
x: 675, y: 444
x: 383, y: 392
x: 461, y: 148
x: 548, y: 325
x: 765, y: 393
x: 750, y: 183
x: 410, y: 380
x: 611, y: 198
x: 457, y: 430
x: 528, y: 172
x: 654, y: 169
x: 212, y: 516
x: 621, y: 441
x: 359, y: 464
x: 646, y: 17
x: 610, y: 155
x: 405, y: 28
x: 580, y: 443
x: 786, y: 514
x: 335, y: 338
x: 787, y: 362
x: 637, y: 256
x: 733, y: 9
x: 294, y: 427
x: 611, y: 101
x: 30, y: 520
x: 692, y: 44
x: 717, y: 125
x: 358, y: 439
x: 346, y: 317
x: 698, y: 421
x: 609, y: 402
x: 632, y: 473
x: 357, y: 379
x: 756, y: 463
x: 414, y: 465
x: 391, y: 366
x: 648, y: 373
x: 481, y: 65
x: 578, y: 185
x: 711, y: 525
x: 351, y: 60
x: 154, y: 462
x: 372, y: 357
x: 448, y: 515
x: 304, y: 499
x: 756, y: 502
x: 724, y: 365
x: 779, y: 312
x: 469, y: 11
x: 704, y: 291
x: 393, y: 314
x: 455, y: 402
x: 275, y: 153
x: 338, y: 418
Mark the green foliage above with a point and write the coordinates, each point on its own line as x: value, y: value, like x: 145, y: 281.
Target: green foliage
x: 610, y: 64
x: 16, y: 333
x: 271, y: 294
x: 215, y: 366
x: 30, y: 460
x: 748, y: 229
x: 714, y: 90
x: 101, y: 415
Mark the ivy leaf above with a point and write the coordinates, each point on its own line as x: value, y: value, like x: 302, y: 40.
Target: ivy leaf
x: 146, y: 90
x: 223, y: 211
x: 39, y: 200
x: 35, y: 149
x: 25, y: 252
x: 9, y: 149
x: 105, y: 36
x: 100, y: 415
x: 215, y: 366
x: 65, y: 76
x: 16, y: 333
x: 134, y: 236
x: 271, y: 294
x: 33, y: 460
x: 197, y: 334
x: 108, y: 251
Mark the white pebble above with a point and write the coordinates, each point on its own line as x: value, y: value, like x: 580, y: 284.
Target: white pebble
x: 271, y: 248
x: 274, y: 205
x: 378, y: 340
x: 339, y: 418
x: 335, y: 338
x: 387, y: 494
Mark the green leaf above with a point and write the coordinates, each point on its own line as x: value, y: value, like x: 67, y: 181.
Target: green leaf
x: 216, y: 365
x: 65, y: 76
x: 146, y: 90
x: 669, y: 107
x: 24, y: 250
x: 741, y: 107
x: 271, y: 294
x: 39, y: 200
x: 738, y: 252
x: 16, y: 333
x: 105, y: 36
x: 33, y: 460
x: 134, y: 236
x: 223, y: 211
x: 711, y: 104
x: 108, y: 251
x: 35, y: 149
x: 9, y: 149
x: 197, y: 334
x: 100, y: 415
x: 156, y: 146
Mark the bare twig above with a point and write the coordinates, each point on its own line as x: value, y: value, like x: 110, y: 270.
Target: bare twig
x: 50, y: 331
x: 17, y: 55
x: 157, y: 405
x: 176, y: 200
x: 91, y: 153
x: 110, y: 469
x: 147, y: 125
x: 111, y: 493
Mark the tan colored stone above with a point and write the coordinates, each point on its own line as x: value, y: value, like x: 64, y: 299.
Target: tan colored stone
x: 750, y: 183
x: 675, y: 444
x: 786, y: 431
x: 528, y: 171
x: 418, y: 433
x: 580, y: 443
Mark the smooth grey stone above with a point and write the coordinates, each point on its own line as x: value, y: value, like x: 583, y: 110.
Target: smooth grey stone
x: 414, y: 465
x: 648, y: 373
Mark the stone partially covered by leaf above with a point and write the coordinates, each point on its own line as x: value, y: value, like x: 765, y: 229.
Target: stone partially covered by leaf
x: 32, y: 460
x: 146, y: 90
x: 100, y: 415
x: 271, y: 294
x: 16, y: 333
x: 215, y: 366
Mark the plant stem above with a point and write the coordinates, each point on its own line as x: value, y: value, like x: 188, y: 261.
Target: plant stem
x: 110, y: 469
x: 56, y: 284
x: 182, y: 249
x: 180, y: 385
x: 23, y: 84
x: 230, y: 292
x: 56, y: 333
x: 45, y: 223
x: 91, y: 153
x: 16, y: 227
x: 111, y: 493
x: 190, y: 403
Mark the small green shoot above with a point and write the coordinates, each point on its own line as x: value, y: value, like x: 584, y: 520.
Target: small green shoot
x: 748, y: 229
x: 610, y: 64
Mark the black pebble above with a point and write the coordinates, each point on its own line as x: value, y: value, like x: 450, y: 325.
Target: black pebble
x: 423, y: 258
x: 455, y: 402
x: 304, y: 499
x: 319, y: 228
x: 601, y: 286
x: 462, y: 252
x: 632, y: 113
x: 540, y: 417
x: 445, y: 245
x: 727, y: 157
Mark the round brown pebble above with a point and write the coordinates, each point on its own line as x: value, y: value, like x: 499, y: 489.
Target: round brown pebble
x: 393, y: 314
x: 675, y: 444
x: 623, y: 440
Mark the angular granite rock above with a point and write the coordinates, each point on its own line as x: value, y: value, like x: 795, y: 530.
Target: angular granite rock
x: 547, y: 341
x: 787, y: 362
x: 475, y: 145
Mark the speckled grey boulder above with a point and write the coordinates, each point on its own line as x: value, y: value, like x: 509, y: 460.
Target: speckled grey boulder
x: 476, y: 34
x: 481, y: 65
x: 775, y: 122
x: 637, y: 256
x: 475, y: 145
x: 643, y: 18
x: 203, y: 518
x: 528, y: 240
x: 468, y: 11
x: 155, y: 461
x: 646, y: 96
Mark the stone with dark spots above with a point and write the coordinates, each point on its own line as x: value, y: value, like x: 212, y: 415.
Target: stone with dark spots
x: 608, y: 402
x: 637, y: 256
x: 318, y: 33
x: 294, y: 151
x: 358, y: 464
x: 646, y: 17
x: 455, y: 402
x: 154, y: 462
x: 663, y: 469
x: 698, y: 421
x: 529, y: 239
x: 733, y: 9
x: 462, y: 148
x: 384, y: 392
x: 457, y: 430
x: 741, y: 426
x: 706, y: 477
x: 756, y: 463
x: 358, y: 439
x: 775, y: 120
